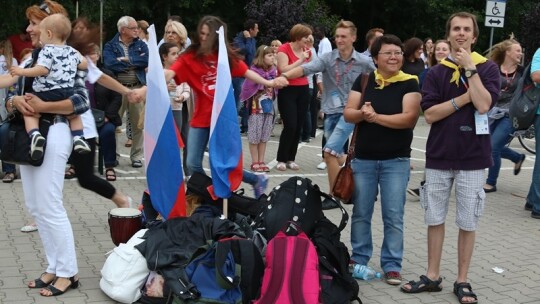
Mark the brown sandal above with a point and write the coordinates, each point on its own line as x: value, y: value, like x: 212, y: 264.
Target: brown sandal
x: 110, y: 174
x: 70, y: 173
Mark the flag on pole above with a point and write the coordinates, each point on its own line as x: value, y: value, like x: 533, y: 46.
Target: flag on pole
x: 225, y: 147
x: 161, y: 141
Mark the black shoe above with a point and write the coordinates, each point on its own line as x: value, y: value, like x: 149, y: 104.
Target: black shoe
x: 414, y: 192
x: 517, y: 166
x: 535, y: 215
x: 489, y: 190
x: 528, y: 206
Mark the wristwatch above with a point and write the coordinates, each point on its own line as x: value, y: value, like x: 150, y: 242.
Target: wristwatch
x: 470, y: 73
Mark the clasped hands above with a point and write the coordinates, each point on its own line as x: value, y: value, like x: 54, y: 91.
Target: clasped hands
x: 368, y: 112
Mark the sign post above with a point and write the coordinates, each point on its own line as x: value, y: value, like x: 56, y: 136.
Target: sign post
x: 495, y: 10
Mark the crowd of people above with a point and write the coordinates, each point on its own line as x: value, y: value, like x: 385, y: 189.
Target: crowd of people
x: 382, y: 91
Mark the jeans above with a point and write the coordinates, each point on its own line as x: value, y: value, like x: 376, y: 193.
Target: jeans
x: 534, y: 191
x: 107, y: 144
x: 237, y: 83
x: 197, y: 142
x: 500, y: 131
x: 391, y: 176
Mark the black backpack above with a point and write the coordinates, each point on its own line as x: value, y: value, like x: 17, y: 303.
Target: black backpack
x: 298, y: 200
x: 337, y: 284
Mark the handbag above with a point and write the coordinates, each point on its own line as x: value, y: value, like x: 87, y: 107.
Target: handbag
x: 15, y: 142
x: 524, y: 103
x: 99, y: 117
x: 344, y: 184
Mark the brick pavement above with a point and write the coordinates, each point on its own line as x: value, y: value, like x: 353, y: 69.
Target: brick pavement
x: 508, y: 237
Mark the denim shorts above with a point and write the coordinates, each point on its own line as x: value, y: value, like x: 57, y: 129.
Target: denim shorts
x: 336, y: 132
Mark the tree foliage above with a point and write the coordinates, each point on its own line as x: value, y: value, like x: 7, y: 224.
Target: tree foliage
x: 277, y: 17
x: 530, y: 31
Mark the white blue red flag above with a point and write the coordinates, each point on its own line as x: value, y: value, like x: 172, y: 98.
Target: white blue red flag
x: 225, y: 147
x: 161, y: 141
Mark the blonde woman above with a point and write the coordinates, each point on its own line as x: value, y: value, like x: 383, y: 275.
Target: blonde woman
x: 507, y: 55
x: 175, y: 32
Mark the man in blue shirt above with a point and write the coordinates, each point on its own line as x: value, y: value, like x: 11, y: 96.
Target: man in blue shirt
x: 245, y: 42
x: 127, y: 57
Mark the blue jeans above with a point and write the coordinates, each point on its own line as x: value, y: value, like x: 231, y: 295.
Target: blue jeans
x: 197, y: 142
x: 391, y: 176
x: 500, y: 131
x: 337, y: 132
x: 534, y: 191
x: 107, y: 144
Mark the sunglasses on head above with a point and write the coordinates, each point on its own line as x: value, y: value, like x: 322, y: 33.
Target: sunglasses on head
x: 44, y: 7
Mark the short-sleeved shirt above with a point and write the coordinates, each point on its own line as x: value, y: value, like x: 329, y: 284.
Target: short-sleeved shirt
x: 61, y: 61
x: 535, y: 67
x: 377, y: 142
x: 338, y: 76
x: 287, y: 50
x: 200, y: 74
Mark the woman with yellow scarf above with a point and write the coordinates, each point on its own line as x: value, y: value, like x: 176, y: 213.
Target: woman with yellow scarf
x: 385, y: 119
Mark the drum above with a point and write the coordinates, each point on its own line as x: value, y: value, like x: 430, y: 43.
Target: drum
x: 124, y: 223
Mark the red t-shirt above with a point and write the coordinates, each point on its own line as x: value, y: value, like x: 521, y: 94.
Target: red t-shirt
x: 200, y: 74
x: 17, y: 44
x: 287, y: 50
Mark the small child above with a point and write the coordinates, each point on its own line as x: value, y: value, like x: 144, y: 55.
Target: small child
x: 54, y: 75
x: 260, y: 103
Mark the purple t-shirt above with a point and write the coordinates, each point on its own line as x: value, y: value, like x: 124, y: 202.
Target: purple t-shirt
x: 452, y: 142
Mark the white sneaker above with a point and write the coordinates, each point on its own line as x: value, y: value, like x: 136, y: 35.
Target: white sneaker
x: 321, y: 166
x: 81, y: 146
x: 37, y: 142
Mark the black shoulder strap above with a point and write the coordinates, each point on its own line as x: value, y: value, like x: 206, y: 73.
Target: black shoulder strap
x: 222, y: 250
x: 344, y: 213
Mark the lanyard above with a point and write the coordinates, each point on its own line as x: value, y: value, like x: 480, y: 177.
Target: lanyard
x: 347, y: 69
x: 509, y: 81
x: 464, y: 83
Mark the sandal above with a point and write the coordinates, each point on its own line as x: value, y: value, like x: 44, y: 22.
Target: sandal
x: 424, y: 284
x: 255, y: 167
x: 293, y: 166
x: 9, y: 177
x: 128, y: 143
x: 70, y: 173
x: 56, y: 292
x: 110, y: 174
x: 281, y: 166
x: 39, y: 283
x: 264, y: 167
x: 462, y: 290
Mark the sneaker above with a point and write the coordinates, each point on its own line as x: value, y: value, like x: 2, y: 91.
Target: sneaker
x: 414, y: 192
x: 81, y: 146
x: 528, y: 206
x: 260, y: 187
x: 321, y: 166
x: 393, y: 277
x: 37, y: 142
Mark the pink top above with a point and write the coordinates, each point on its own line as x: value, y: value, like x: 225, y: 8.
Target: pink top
x: 287, y: 50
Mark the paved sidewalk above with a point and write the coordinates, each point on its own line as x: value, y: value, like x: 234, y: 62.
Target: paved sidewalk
x: 508, y: 237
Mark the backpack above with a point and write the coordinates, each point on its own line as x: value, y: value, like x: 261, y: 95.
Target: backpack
x: 291, y: 273
x: 298, y: 200
x: 337, y: 284
x: 524, y: 103
x: 227, y: 271
x: 198, y: 184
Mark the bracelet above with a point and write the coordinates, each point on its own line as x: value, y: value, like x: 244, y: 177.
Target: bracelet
x: 454, y: 104
x: 13, y: 109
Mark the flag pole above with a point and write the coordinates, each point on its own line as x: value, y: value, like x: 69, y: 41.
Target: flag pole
x: 226, y: 207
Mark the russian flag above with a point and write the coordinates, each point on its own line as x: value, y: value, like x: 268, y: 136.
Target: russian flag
x: 225, y: 146
x: 162, y: 141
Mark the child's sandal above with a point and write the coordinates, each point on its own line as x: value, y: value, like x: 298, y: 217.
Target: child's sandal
x: 255, y: 167
x: 263, y: 167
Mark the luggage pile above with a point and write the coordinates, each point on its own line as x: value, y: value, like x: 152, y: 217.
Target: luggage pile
x: 278, y: 249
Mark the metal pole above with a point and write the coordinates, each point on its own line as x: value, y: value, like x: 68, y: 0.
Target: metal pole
x: 491, y: 41
x: 77, y: 9
x: 101, y: 26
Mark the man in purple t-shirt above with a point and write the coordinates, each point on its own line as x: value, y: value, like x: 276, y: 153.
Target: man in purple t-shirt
x: 456, y: 97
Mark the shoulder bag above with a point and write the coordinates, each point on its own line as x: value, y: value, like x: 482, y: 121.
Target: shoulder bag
x: 344, y: 184
x: 524, y: 103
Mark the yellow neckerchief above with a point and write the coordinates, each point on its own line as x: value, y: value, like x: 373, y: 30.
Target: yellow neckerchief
x: 396, y: 78
x: 476, y: 59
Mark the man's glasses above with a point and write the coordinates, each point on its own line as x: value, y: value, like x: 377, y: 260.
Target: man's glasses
x: 395, y: 53
x: 133, y: 28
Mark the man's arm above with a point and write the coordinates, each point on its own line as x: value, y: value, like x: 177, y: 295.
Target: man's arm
x: 141, y: 59
x: 111, y: 62
x: 535, y: 67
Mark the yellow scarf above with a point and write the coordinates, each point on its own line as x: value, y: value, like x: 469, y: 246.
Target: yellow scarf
x: 379, y: 79
x: 476, y: 58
